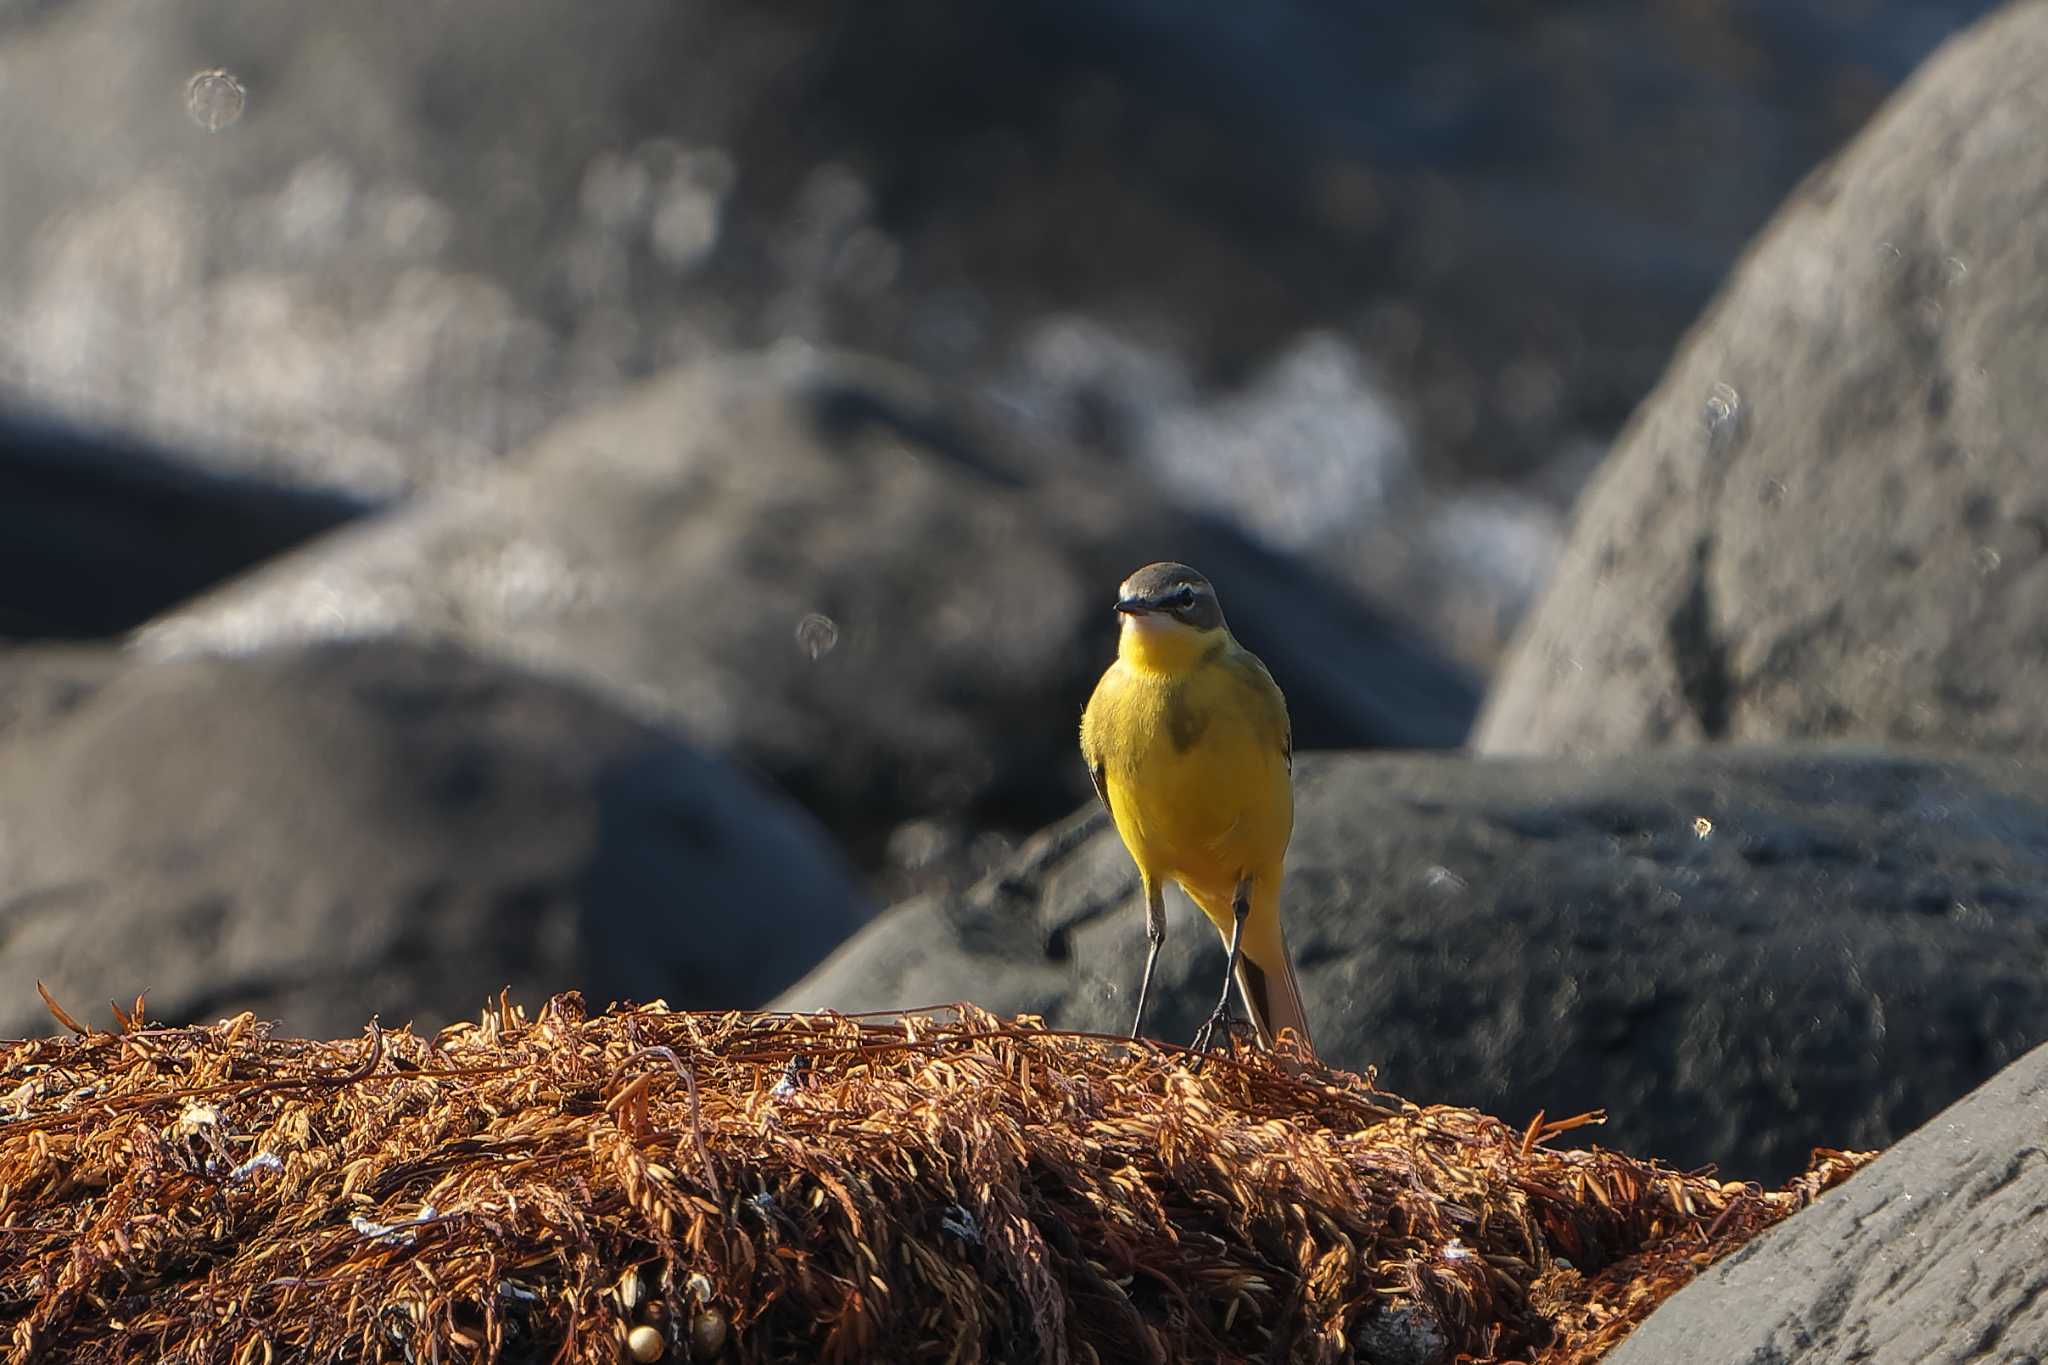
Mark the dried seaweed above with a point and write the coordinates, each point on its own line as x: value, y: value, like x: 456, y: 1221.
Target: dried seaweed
x: 941, y: 1186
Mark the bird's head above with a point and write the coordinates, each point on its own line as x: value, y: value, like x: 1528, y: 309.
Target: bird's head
x: 1169, y: 612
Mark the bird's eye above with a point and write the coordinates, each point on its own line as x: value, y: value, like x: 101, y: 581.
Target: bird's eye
x: 1185, y: 598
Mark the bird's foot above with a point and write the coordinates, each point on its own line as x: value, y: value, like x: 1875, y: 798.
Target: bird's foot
x: 1217, y: 1028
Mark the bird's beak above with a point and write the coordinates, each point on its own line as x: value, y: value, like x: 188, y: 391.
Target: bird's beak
x: 1134, y: 606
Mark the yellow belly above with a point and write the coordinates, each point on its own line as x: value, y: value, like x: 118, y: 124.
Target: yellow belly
x: 1196, y: 771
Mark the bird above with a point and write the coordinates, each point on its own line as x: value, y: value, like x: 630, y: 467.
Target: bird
x: 1188, y: 744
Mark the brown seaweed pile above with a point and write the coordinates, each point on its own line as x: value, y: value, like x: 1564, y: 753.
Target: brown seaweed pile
x: 746, y: 1187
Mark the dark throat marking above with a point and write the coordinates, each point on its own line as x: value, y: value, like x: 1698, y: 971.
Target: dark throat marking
x: 1184, y: 723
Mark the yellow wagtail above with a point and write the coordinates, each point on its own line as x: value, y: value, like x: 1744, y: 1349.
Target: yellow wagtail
x: 1188, y: 743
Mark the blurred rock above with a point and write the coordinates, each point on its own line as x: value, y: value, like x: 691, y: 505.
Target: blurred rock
x: 1931, y: 1253
x: 426, y: 235
x: 1829, y: 520
x: 821, y: 566
x: 98, y: 534
x: 319, y: 834
x: 378, y: 245
x: 1312, y: 455
x: 1741, y: 955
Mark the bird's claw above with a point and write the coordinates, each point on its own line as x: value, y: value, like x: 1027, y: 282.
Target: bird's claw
x: 1216, y: 1028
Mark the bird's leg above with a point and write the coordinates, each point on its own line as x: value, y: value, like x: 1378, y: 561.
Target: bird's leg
x: 1219, y: 1019
x: 1155, y: 934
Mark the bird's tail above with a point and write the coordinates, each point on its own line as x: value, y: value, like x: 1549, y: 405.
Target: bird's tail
x: 1265, y: 969
x: 1265, y: 980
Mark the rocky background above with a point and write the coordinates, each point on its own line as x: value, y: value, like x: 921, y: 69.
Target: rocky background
x: 542, y: 496
x: 1379, y: 283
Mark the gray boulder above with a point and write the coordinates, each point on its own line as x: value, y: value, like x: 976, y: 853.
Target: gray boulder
x: 324, y: 833
x: 1829, y: 521
x: 1932, y: 1253
x: 1741, y: 955
x: 821, y: 567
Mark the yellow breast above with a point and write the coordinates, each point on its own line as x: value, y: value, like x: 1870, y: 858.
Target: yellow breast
x: 1195, y: 763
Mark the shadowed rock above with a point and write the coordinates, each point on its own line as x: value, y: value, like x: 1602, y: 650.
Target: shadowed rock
x: 1829, y: 520
x: 98, y: 533
x: 1741, y: 955
x: 321, y: 833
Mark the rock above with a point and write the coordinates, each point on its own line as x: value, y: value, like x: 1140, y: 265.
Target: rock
x: 1931, y: 1253
x: 824, y: 569
x: 1741, y: 955
x: 407, y: 236
x: 1828, y: 520
x: 98, y: 534
x: 379, y: 245
x: 324, y: 833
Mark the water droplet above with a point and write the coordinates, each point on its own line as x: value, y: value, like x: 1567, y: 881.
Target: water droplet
x: 1987, y: 560
x: 816, y: 635
x: 215, y: 99
x: 1722, y: 412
